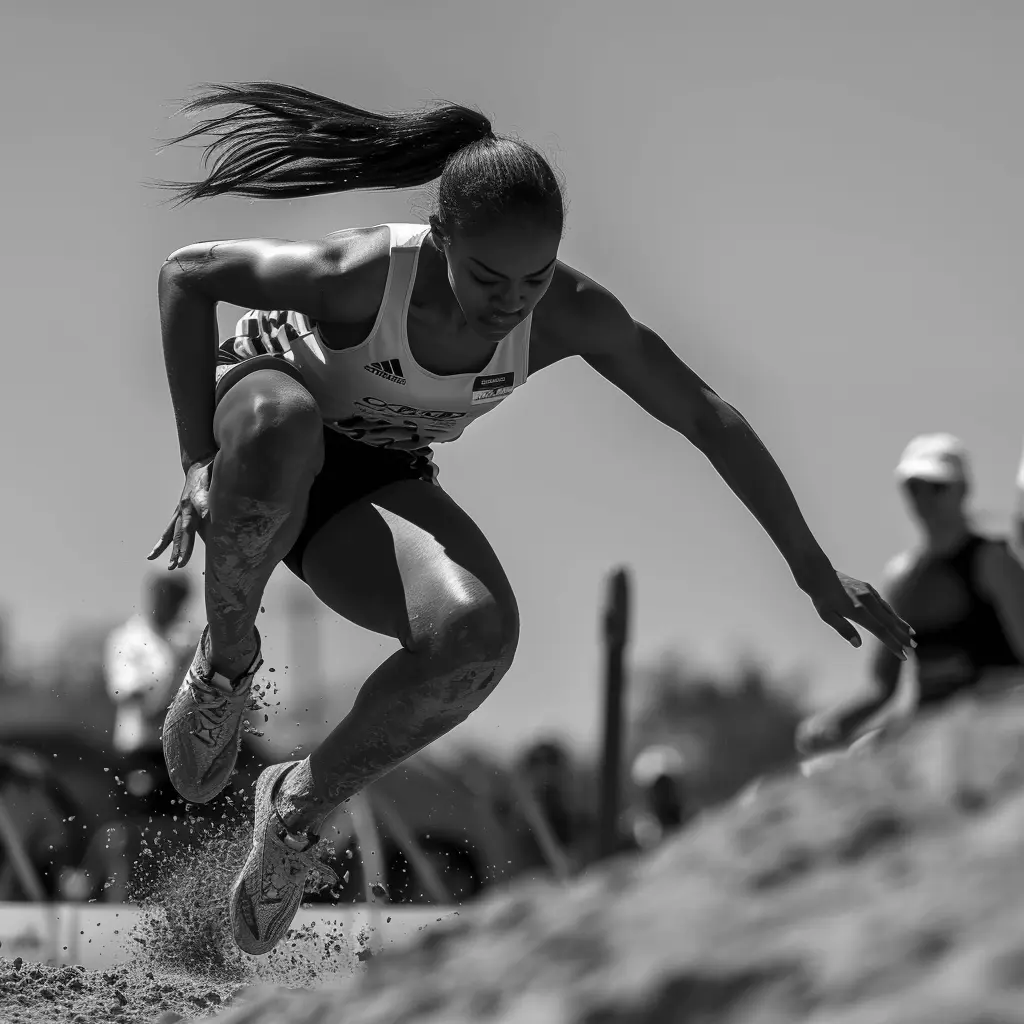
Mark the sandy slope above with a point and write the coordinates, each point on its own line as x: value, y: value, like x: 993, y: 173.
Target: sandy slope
x: 889, y: 889
x: 885, y: 890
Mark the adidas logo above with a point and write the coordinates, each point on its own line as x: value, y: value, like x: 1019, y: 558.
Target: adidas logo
x: 389, y: 369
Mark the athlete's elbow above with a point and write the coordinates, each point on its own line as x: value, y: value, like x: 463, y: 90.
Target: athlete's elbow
x: 182, y: 270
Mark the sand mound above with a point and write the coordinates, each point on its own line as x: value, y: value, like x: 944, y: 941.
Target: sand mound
x: 890, y: 888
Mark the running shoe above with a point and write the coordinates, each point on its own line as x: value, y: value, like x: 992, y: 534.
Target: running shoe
x: 202, y: 731
x: 267, y: 892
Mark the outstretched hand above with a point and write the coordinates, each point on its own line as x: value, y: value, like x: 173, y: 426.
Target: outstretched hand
x: 189, y: 516
x: 841, y: 600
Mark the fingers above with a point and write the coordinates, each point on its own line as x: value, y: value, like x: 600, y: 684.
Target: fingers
x: 901, y: 629
x: 165, y: 538
x: 187, y: 538
x: 872, y: 601
x: 885, y: 624
x: 184, y: 536
x: 180, y: 535
x: 185, y: 552
x: 870, y: 610
x: 891, y: 639
x: 179, y: 527
x: 844, y: 628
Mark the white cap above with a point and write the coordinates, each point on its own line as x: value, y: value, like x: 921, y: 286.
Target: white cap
x: 940, y: 458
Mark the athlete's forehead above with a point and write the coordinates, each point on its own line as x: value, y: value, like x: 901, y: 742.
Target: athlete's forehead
x: 511, y: 251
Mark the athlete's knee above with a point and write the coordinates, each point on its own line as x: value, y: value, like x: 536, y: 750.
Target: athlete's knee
x: 276, y: 431
x: 483, y: 633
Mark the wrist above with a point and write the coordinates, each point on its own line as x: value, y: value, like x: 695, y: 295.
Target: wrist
x: 811, y: 569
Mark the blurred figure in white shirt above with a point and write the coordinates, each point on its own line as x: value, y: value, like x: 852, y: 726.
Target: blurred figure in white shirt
x: 145, y: 659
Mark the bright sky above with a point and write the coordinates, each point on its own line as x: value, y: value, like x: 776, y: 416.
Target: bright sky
x: 817, y: 205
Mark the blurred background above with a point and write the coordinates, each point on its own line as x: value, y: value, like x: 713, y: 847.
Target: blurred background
x: 818, y: 206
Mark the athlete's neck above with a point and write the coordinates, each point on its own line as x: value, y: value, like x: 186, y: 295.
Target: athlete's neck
x: 432, y: 293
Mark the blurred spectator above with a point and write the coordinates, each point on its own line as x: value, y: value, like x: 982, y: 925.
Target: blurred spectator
x: 963, y: 593
x: 658, y: 774
x: 145, y: 659
x: 546, y: 768
x: 730, y: 726
x: 547, y: 812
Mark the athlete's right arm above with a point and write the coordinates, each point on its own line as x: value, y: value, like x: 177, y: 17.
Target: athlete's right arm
x: 333, y: 279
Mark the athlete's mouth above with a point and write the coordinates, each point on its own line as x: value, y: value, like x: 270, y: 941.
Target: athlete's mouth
x: 502, y: 319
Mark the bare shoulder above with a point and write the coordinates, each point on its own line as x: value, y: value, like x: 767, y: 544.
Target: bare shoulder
x: 578, y: 316
x: 351, y: 248
x: 354, y: 265
x: 340, y: 277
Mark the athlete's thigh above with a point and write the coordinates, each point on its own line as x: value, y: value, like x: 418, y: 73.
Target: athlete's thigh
x: 259, y: 381
x: 394, y: 561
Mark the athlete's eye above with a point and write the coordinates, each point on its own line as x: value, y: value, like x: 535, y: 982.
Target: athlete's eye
x: 480, y: 280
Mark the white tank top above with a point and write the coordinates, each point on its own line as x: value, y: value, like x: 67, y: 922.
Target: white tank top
x: 375, y: 392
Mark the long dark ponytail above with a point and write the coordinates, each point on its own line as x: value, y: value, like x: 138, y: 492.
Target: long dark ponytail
x: 282, y: 142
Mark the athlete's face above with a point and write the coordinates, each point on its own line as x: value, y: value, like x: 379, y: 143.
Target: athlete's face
x: 498, y: 277
x: 935, y: 502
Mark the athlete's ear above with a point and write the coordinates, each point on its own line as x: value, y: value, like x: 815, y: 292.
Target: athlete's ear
x: 438, y: 235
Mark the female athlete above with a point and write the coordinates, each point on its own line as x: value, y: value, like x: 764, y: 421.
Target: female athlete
x: 306, y: 438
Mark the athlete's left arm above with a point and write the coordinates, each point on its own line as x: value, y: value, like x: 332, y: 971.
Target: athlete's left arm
x: 592, y: 323
x: 1001, y: 580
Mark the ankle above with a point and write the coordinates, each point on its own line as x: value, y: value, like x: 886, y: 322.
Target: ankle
x: 295, y: 801
x: 230, y: 669
x: 233, y: 659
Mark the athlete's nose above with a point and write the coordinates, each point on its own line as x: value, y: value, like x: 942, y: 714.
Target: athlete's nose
x: 509, y: 299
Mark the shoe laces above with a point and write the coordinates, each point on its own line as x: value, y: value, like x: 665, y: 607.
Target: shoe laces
x: 212, y: 707
x: 307, y: 859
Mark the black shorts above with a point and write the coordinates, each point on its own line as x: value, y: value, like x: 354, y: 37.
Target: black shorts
x: 351, y: 470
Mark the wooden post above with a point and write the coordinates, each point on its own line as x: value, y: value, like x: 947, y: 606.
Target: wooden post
x: 616, y: 635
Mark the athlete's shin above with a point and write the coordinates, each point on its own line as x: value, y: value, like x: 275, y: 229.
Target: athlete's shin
x: 410, y: 701
x: 241, y: 552
x: 257, y: 508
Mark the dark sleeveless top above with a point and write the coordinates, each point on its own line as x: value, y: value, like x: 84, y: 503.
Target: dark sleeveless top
x: 959, y: 634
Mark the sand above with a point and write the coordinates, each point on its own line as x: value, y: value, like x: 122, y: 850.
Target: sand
x: 887, y: 888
